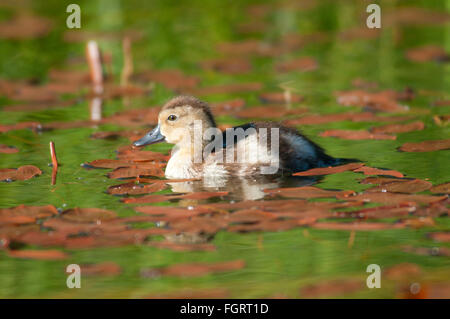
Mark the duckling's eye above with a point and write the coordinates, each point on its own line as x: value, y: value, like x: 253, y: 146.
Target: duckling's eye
x: 172, y: 117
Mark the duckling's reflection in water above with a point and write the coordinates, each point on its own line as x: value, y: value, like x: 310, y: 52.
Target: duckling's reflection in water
x: 242, y: 187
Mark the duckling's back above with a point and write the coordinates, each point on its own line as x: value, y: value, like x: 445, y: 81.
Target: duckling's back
x: 295, y: 151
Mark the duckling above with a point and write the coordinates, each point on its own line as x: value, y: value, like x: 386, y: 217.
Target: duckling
x: 202, y: 151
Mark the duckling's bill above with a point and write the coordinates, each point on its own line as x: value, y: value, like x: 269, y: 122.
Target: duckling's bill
x: 152, y: 137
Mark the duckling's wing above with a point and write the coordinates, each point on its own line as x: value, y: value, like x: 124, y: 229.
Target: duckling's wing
x: 296, y: 151
x: 236, y: 138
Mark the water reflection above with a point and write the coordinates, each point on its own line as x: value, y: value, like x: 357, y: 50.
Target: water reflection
x: 242, y: 187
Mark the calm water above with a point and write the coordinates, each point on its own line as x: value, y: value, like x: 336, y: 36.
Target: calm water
x: 178, y: 35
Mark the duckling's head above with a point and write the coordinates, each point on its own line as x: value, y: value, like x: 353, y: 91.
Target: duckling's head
x: 177, y: 121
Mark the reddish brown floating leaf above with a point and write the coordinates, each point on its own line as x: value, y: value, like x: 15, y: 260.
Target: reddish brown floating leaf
x: 381, y: 212
x: 357, y: 135
x: 11, y: 232
x: 38, y: 254
x: 399, y: 128
x: 427, y: 53
x: 426, y: 146
x: 194, y: 269
x: 8, y: 149
x: 16, y: 220
x: 250, y: 216
x: 330, y: 170
x: 395, y: 198
x: 27, y: 171
x: 441, y: 189
x: 402, y: 271
x: 133, y: 118
x: 198, y: 225
x: 408, y: 186
x: 88, y: 215
x: 109, y: 163
x: 382, y: 180
x: 280, y: 97
x: 360, y: 226
x: 440, y: 236
x: 70, y: 227
x: 135, y: 171
x: 307, y: 192
x: 22, y: 173
x: 105, y: 269
x: 8, y: 174
x: 39, y: 238
x: 29, y: 211
x: 133, y: 188
x: 332, y: 288
x: 111, y: 239
x: 366, y: 170
x: 132, y: 154
x: 385, y: 101
x: 71, y: 76
x: 299, y: 64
